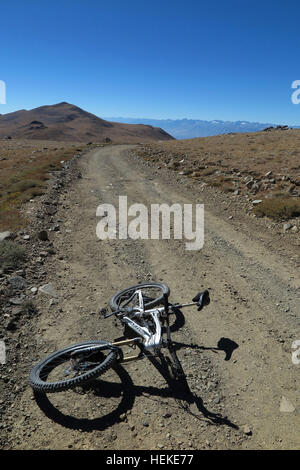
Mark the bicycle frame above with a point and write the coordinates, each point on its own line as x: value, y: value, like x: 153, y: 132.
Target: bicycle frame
x: 147, y: 341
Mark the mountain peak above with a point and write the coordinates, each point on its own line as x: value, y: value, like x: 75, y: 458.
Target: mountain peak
x: 67, y: 122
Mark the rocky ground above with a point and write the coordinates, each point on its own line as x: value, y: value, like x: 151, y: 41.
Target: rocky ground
x: 241, y: 389
x: 261, y: 170
x: 19, y: 287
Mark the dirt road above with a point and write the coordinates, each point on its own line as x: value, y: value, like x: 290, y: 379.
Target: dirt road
x: 236, y: 353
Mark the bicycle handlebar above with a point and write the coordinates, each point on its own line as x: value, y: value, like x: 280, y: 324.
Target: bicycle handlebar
x: 201, y: 299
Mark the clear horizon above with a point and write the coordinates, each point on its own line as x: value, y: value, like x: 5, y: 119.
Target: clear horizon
x: 161, y: 61
x: 144, y: 117
x: 140, y: 118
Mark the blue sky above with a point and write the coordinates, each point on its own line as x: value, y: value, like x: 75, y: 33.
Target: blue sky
x: 233, y: 60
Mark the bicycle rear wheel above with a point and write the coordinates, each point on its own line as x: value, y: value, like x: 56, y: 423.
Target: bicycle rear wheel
x: 153, y: 295
x: 72, y: 366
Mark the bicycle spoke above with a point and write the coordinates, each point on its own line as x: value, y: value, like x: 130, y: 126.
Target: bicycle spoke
x: 69, y: 367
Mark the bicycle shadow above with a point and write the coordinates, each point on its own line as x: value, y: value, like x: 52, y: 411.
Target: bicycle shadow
x: 182, y: 392
x: 127, y: 391
x: 123, y: 390
x: 179, y: 321
x: 224, y: 344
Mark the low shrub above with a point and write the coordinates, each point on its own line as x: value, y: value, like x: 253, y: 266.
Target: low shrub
x: 278, y: 208
x: 12, y: 255
x: 25, y: 185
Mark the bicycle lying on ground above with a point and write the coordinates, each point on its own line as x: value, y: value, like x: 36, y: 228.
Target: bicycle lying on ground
x: 143, y: 310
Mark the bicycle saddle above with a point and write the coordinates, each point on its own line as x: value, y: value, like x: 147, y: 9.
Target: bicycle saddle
x: 202, y: 299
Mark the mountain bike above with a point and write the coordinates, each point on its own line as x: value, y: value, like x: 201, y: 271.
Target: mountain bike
x: 143, y: 311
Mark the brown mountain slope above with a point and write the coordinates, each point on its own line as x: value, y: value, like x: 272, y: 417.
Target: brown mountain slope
x: 66, y: 122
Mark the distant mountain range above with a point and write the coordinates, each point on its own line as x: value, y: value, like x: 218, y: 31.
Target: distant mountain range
x: 66, y: 122
x: 190, y: 128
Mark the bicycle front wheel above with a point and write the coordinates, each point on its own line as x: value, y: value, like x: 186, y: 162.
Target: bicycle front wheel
x: 152, y: 292
x: 72, y: 366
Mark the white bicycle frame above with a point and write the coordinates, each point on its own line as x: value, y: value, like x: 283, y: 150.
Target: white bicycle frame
x: 151, y: 340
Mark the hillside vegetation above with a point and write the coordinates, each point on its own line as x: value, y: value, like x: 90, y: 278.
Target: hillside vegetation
x: 261, y: 166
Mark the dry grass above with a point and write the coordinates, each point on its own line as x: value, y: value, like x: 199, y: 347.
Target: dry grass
x: 25, y: 167
x: 279, y: 208
x: 229, y: 162
x: 11, y: 255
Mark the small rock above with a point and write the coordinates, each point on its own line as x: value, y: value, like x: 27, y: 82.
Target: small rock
x: 256, y: 202
x: 286, y: 227
x: 294, y: 229
x: 291, y: 189
x: 16, y: 301
x: 43, y: 236
x: 17, y: 311
x: 286, y: 406
x: 5, y: 235
x: 26, y: 237
x: 49, y: 290
x: 246, y: 430
x: 34, y: 290
x: 11, y: 325
x: 17, y: 282
x: 20, y: 272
